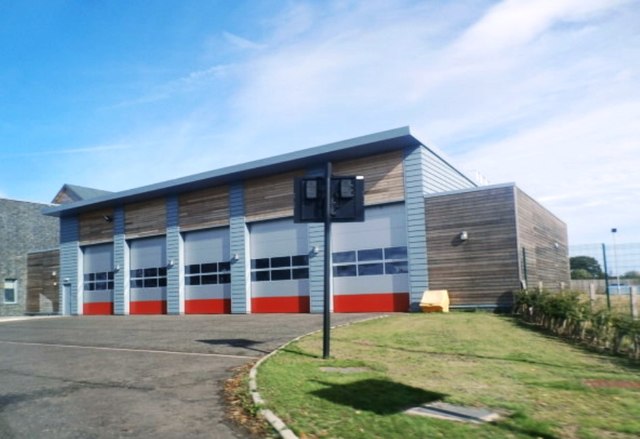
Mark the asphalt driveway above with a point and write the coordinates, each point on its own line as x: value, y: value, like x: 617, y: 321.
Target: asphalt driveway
x: 132, y: 376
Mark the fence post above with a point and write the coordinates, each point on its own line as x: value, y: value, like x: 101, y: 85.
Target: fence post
x: 634, y: 302
x: 592, y: 294
x: 606, y: 276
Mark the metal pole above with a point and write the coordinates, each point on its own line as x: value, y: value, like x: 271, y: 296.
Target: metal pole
x: 615, y: 259
x: 606, y: 276
x: 326, y: 323
x: 524, y: 267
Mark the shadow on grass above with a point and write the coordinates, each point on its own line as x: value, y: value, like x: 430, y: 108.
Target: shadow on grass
x: 381, y: 397
x: 295, y: 351
x: 234, y: 343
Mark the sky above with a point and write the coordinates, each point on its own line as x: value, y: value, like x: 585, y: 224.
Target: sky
x: 120, y: 94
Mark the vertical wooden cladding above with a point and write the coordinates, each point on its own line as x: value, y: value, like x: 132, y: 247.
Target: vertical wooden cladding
x: 270, y: 197
x: 204, y: 208
x: 483, y: 270
x: 42, y: 283
x: 383, y: 176
x: 545, y: 243
x: 147, y: 218
x: 94, y: 227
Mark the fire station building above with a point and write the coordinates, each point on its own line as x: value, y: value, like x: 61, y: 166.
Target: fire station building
x: 224, y: 241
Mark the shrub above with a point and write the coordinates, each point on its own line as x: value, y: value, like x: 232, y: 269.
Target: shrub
x: 569, y: 314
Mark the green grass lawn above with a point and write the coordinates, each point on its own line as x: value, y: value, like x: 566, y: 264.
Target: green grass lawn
x: 474, y: 359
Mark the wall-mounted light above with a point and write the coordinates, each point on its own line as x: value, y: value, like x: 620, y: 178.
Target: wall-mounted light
x: 314, y: 250
x: 108, y: 218
x: 234, y: 258
x: 463, y: 235
x: 170, y: 263
x: 54, y: 273
x: 116, y: 268
x: 556, y: 245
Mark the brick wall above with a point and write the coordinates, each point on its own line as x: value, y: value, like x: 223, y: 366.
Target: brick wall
x: 23, y: 228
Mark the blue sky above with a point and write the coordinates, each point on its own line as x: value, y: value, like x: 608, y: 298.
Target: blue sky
x: 120, y: 94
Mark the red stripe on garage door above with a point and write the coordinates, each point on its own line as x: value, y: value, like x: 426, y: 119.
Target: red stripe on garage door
x: 207, y: 306
x: 280, y: 304
x: 387, y: 302
x: 97, y: 308
x: 148, y: 307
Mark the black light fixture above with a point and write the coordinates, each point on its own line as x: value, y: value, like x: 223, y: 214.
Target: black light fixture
x: 108, y: 218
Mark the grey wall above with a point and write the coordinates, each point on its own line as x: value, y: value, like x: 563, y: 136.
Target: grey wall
x: 23, y: 228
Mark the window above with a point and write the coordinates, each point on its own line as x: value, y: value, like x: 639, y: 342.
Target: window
x: 370, y: 262
x: 151, y: 277
x: 280, y: 268
x: 10, y: 287
x: 100, y: 281
x: 209, y: 273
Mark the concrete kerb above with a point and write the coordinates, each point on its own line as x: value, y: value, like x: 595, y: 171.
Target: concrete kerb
x: 258, y: 401
x: 9, y: 319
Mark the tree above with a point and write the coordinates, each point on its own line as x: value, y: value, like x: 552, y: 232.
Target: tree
x: 633, y: 274
x: 579, y: 264
x: 581, y: 273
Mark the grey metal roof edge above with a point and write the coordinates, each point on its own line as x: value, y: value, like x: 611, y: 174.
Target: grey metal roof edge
x: 85, y: 192
x: 472, y: 189
x: 230, y: 171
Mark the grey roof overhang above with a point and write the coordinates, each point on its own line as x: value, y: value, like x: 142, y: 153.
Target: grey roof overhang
x: 375, y: 143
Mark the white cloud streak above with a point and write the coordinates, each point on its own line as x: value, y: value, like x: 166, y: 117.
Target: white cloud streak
x: 544, y: 93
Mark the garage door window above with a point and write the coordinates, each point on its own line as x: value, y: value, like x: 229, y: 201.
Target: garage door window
x: 369, y: 262
x: 208, y: 274
x: 151, y: 277
x: 280, y: 268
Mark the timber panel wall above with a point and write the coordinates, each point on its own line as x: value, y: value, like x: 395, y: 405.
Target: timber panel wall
x: 148, y: 218
x: 42, y: 284
x: 94, y: 228
x: 383, y: 176
x: 484, y: 269
x: 204, y: 208
x: 270, y: 197
x: 538, y: 232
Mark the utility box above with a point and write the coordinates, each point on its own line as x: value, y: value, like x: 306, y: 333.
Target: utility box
x: 435, y: 301
x: 347, y: 199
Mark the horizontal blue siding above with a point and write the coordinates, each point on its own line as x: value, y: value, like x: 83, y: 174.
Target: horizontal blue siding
x: 69, y: 250
x: 414, y: 182
x: 240, y: 299
x: 440, y: 176
x: 173, y: 253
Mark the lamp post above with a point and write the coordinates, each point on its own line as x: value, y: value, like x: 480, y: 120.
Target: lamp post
x: 615, y: 259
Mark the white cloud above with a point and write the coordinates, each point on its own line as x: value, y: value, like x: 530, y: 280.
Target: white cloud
x: 514, y: 23
x: 68, y: 151
x: 543, y: 93
x: 240, y: 42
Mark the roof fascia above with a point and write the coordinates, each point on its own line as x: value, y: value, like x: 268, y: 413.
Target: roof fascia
x: 375, y: 143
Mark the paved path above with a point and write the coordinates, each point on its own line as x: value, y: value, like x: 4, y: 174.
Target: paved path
x: 133, y: 376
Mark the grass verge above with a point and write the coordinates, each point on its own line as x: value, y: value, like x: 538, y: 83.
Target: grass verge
x: 474, y: 359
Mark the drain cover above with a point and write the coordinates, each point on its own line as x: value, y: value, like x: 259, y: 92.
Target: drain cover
x: 442, y: 410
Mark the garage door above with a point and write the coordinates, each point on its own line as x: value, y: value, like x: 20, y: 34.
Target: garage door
x: 370, y: 262
x: 97, y: 287
x: 279, y: 267
x: 148, y: 276
x: 207, y: 276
